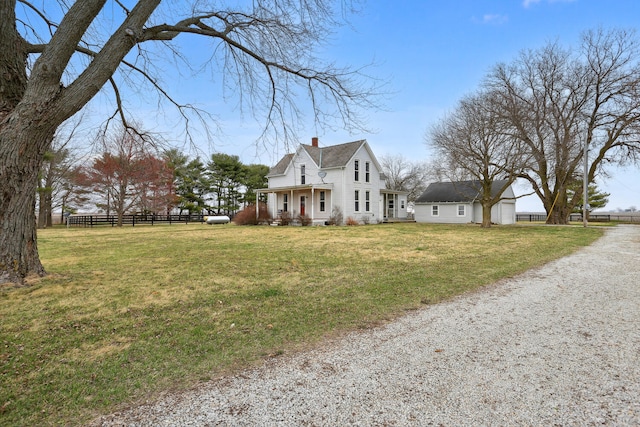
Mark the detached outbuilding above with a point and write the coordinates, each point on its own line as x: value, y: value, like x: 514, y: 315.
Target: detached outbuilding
x: 458, y: 202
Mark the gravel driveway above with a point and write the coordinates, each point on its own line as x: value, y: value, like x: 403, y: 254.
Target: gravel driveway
x: 558, y: 345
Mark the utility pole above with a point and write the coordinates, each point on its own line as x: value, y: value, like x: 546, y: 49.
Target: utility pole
x: 585, y: 185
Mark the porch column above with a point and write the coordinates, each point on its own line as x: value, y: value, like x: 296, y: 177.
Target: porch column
x: 274, y: 205
x: 257, y: 203
x: 312, y: 207
x: 396, y: 203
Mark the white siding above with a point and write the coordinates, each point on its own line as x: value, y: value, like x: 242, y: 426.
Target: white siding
x: 343, y: 182
x: 447, y: 213
x: 350, y: 185
x: 501, y: 213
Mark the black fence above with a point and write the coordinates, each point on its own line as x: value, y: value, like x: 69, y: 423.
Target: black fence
x: 530, y: 217
x: 133, y: 220
x: 622, y: 217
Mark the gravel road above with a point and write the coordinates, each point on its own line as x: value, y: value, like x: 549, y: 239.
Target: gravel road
x: 558, y: 345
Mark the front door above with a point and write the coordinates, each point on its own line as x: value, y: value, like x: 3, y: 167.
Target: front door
x: 303, y: 200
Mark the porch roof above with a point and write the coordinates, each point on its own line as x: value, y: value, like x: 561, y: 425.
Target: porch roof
x: 387, y: 191
x: 296, y: 188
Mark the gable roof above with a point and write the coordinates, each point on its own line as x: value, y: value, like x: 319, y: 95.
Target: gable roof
x: 457, y: 191
x: 281, y: 167
x: 333, y: 156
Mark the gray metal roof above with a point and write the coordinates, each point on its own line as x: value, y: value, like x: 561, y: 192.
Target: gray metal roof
x: 457, y: 191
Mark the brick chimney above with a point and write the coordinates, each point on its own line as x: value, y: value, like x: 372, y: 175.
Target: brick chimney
x: 314, y: 141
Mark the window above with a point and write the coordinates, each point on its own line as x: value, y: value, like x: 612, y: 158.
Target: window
x: 435, y: 211
x: 402, y: 204
x: 285, y: 202
x: 357, y: 201
x: 367, y: 167
x: 356, y: 168
x: 461, y: 210
x: 303, y: 177
x: 367, y: 204
x: 322, y: 199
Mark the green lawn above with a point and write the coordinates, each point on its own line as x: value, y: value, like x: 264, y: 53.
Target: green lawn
x: 127, y: 313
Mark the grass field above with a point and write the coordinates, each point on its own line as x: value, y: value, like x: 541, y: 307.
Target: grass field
x: 127, y: 313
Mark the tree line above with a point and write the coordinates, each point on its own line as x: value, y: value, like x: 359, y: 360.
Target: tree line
x: 266, y: 56
x: 130, y: 177
x: 556, y: 117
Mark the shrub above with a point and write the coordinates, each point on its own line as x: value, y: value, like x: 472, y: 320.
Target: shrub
x: 285, y: 218
x: 352, y: 221
x: 248, y: 216
x: 336, y: 216
x: 304, y: 220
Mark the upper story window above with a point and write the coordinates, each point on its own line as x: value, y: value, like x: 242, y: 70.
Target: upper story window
x: 356, y: 170
x: 367, y: 172
x: 435, y: 210
x: 461, y: 210
x: 303, y: 176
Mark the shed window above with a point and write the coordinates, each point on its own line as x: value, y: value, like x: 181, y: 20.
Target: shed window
x: 435, y: 210
x: 461, y: 210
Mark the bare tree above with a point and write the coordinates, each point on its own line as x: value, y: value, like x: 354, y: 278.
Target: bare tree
x: 473, y: 143
x: 51, y: 68
x: 119, y: 176
x: 57, y: 170
x: 558, y: 100
x: 404, y: 175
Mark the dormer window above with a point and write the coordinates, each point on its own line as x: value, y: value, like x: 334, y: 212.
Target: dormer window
x: 303, y: 176
x: 356, y: 169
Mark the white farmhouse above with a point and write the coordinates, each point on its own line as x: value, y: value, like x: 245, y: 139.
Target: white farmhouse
x: 314, y: 180
x: 457, y: 202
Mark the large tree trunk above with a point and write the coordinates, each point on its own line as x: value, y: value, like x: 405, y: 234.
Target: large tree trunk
x: 21, y: 154
x: 486, y: 215
x: 558, y: 213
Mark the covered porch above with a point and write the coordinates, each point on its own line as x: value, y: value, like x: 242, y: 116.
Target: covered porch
x: 313, y: 201
x: 393, y: 205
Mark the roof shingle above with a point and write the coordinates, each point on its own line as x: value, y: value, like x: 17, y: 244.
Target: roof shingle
x: 457, y: 191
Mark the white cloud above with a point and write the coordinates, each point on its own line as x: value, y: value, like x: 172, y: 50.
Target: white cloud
x: 490, y: 19
x: 527, y: 3
x: 494, y: 19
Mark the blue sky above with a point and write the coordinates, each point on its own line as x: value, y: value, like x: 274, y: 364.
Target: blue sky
x: 432, y: 53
